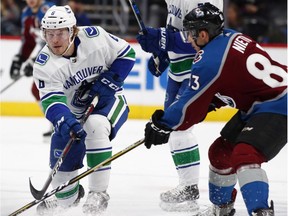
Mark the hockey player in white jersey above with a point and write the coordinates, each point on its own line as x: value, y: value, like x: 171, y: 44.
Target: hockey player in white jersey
x: 76, y: 65
x: 183, y: 144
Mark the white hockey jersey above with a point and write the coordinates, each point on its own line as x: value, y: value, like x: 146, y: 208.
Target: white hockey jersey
x: 66, y: 81
x: 180, y: 66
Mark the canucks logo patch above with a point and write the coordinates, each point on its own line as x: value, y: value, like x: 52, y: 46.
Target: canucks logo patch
x: 57, y: 153
x: 42, y: 58
x: 91, y: 31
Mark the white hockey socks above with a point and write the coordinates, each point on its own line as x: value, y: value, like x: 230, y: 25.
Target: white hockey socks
x: 186, y: 157
x: 98, y: 149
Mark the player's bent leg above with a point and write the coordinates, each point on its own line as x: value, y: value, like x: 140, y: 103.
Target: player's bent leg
x: 264, y: 142
x: 185, y: 154
x: 101, y: 127
x: 98, y: 149
x: 222, y: 179
x: 253, y: 180
x: 71, y: 195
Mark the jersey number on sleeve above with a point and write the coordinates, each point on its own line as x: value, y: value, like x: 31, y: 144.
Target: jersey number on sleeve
x: 194, y: 82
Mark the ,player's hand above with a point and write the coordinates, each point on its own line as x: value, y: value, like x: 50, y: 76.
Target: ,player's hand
x: 154, y: 40
x: 105, y: 87
x: 67, y: 125
x: 156, y: 133
x: 28, y: 68
x: 15, y: 67
x: 157, y: 68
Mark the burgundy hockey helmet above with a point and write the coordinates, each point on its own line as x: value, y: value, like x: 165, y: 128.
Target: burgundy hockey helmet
x: 205, y: 17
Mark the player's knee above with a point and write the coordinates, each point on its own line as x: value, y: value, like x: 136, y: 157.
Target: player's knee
x: 220, y: 154
x: 182, y: 139
x: 244, y: 154
x: 97, y: 127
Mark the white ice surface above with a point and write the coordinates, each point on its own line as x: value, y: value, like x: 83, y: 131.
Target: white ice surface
x: 137, y: 178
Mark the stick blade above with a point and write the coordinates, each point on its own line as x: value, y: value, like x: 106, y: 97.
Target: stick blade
x: 36, y: 193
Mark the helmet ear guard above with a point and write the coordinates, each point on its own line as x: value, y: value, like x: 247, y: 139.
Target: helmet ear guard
x: 205, y: 17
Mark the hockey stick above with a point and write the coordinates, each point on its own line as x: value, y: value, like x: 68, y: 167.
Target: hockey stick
x: 141, y: 24
x: 138, y: 17
x: 38, y: 194
x: 10, y: 84
x: 33, y: 55
x: 77, y: 178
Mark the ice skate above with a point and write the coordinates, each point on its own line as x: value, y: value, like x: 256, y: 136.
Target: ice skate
x: 265, y: 212
x: 182, y: 198
x: 96, y: 203
x: 223, y: 210
x: 51, y: 206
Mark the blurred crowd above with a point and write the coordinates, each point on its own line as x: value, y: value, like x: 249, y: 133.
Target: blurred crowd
x: 265, y: 21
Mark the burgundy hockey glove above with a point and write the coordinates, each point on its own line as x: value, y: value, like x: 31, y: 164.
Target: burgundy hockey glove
x: 156, y: 133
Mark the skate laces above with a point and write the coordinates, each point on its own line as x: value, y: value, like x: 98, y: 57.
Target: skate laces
x: 97, y: 196
x: 181, y: 193
x: 47, y: 207
x: 51, y: 204
x: 180, y: 199
x: 96, y: 202
x: 180, y: 190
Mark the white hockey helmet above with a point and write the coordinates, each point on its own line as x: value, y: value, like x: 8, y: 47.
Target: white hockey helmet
x: 58, y: 17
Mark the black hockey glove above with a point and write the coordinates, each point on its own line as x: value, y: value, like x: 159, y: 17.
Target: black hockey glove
x: 156, y: 133
x: 157, y: 68
x: 15, y: 67
x: 105, y: 87
x: 28, y: 69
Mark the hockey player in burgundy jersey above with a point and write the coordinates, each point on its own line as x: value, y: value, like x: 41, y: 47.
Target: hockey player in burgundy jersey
x: 31, y: 43
x: 30, y: 37
x: 183, y: 144
x: 231, y: 67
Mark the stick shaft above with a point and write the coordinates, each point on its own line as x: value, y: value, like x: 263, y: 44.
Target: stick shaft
x: 137, y: 14
x: 39, y: 194
x: 10, y: 84
x: 77, y: 178
x: 142, y: 27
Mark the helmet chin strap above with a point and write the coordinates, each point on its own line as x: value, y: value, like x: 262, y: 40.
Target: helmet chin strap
x: 68, y: 47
